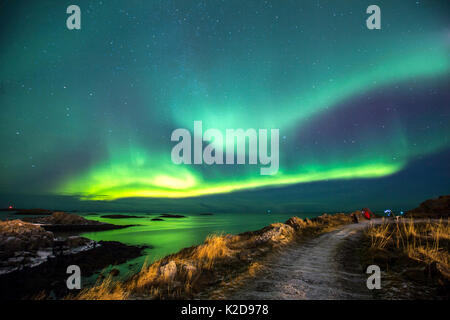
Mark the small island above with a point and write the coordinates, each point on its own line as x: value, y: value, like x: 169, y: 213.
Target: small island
x: 167, y: 215
x: 66, y: 222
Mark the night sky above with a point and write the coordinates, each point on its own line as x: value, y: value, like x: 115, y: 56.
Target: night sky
x: 87, y: 115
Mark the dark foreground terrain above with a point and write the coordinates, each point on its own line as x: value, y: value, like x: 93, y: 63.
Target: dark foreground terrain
x: 49, y: 278
x: 34, y: 260
x: 321, y: 258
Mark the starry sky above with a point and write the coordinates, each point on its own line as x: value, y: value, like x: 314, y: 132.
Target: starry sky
x: 87, y: 115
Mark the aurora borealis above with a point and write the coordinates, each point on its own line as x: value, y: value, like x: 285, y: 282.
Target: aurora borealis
x: 87, y: 114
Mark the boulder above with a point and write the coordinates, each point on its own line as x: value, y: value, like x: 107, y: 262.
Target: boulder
x: 189, y: 269
x: 275, y: 233
x: 16, y: 235
x: 61, y: 218
x: 76, y: 241
x: 168, y: 271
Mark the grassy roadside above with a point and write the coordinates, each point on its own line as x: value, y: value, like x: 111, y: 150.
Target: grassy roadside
x: 412, y: 255
x: 220, y: 260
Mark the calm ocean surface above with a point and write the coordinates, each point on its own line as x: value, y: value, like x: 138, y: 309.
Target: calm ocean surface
x: 172, y: 234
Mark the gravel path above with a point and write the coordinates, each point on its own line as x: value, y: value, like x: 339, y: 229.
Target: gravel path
x: 312, y: 270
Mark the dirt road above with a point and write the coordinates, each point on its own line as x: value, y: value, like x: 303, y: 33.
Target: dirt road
x: 312, y: 270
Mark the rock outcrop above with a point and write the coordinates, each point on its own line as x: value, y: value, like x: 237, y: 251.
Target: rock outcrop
x: 61, y: 218
x: 26, y: 245
x: 276, y: 233
x: 168, y: 271
x: 439, y: 207
x: 33, y: 259
x: 17, y: 236
x: 66, y: 222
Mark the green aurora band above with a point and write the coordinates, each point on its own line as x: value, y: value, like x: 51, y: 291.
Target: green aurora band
x: 94, y: 109
x: 133, y: 172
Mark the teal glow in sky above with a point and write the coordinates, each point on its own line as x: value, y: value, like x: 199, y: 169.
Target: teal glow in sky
x: 89, y: 113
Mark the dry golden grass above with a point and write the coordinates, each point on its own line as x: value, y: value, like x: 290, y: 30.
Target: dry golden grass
x: 106, y: 290
x: 379, y: 236
x: 220, y: 259
x: 215, y: 247
x: 157, y: 280
x: 421, y: 241
x: 40, y: 296
x: 146, y: 276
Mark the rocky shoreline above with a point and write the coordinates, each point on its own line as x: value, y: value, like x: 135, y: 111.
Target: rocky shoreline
x: 227, y: 261
x: 34, y: 261
x: 65, y: 222
x: 48, y: 279
x: 34, y: 258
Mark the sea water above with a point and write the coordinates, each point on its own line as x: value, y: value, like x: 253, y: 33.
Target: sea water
x: 173, y: 234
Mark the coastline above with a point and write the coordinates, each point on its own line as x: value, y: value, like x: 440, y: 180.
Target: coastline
x: 220, y: 260
x: 204, y: 271
x: 36, y: 251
